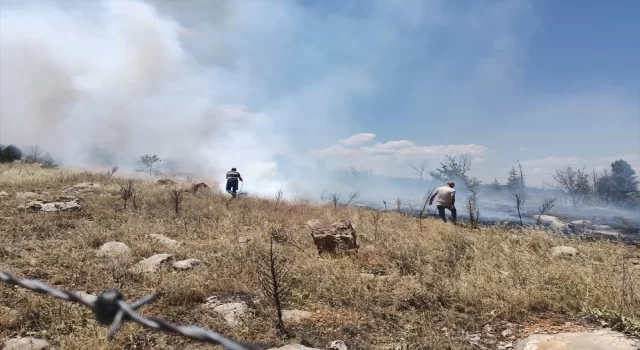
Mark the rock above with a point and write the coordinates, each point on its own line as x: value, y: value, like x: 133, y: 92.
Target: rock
x: 199, y: 186
x: 604, y: 339
x: 233, y: 313
x: 164, y: 240
x: 507, y: 333
x: 187, y: 264
x: 295, y: 315
x: 337, y: 237
x: 153, y: 263
x: 337, y: 345
x: 28, y: 343
x: 294, y: 347
x: 28, y: 195
x: 114, y: 249
x: 61, y: 204
x: 367, y: 275
x: 3, y: 194
x: 563, y: 251
x: 505, y: 346
x: 581, y: 222
x: 550, y: 221
x: 84, y: 187
x: 314, y: 223
x: 165, y: 182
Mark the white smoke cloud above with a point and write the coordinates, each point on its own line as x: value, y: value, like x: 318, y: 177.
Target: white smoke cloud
x: 117, y: 76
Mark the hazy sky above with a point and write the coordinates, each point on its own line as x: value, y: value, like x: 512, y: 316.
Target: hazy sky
x: 372, y: 84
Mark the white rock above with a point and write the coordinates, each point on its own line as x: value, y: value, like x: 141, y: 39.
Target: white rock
x: 233, y: 313
x: 563, y: 251
x: 153, y: 263
x: 114, y: 249
x: 164, y: 240
x: 604, y: 339
x: 3, y: 194
x: 187, y: 264
x: 338, y: 345
x: 28, y: 343
x: 550, y: 221
x: 581, y: 222
x: 295, y: 315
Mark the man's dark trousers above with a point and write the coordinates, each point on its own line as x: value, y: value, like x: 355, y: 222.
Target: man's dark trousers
x: 232, y: 186
x: 441, y: 213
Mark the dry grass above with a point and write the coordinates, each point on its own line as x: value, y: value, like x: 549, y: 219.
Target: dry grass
x: 445, y: 276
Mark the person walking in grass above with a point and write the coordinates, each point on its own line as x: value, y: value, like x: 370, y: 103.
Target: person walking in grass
x: 232, y: 181
x: 445, y: 198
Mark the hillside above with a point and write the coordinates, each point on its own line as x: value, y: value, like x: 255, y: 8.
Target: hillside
x: 436, y: 287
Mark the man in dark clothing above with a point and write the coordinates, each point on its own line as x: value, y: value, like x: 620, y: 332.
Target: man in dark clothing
x: 232, y: 181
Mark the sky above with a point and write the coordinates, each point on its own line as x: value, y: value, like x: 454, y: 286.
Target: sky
x: 275, y: 86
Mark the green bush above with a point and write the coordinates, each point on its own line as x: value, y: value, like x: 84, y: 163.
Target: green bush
x: 10, y: 153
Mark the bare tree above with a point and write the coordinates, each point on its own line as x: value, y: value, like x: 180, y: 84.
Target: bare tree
x: 385, y: 204
x: 274, y: 278
x: 375, y: 220
x: 279, y: 195
x: 352, y: 197
x: 515, y: 186
x: 127, y: 192
x: 113, y: 170
x: 176, y: 196
x: 423, y: 208
x: 335, y: 199
x: 419, y: 168
x: 546, y: 206
x: 574, y: 183
x: 398, y: 204
x: 473, y: 211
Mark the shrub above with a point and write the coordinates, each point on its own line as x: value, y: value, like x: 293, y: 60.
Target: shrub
x: 10, y: 153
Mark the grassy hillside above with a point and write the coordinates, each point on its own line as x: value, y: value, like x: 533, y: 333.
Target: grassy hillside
x: 440, y: 284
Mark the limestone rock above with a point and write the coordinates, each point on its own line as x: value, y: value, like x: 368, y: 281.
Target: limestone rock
x: 153, y: 263
x: 604, y: 339
x: 337, y: 237
x: 295, y: 315
x: 337, y: 345
x: 114, y: 249
x: 28, y: 343
x: 3, y: 194
x: 187, y: 264
x: 164, y: 240
x: 61, y: 204
x: 560, y: 251
x: 550, y: 221
x: 233, y: 313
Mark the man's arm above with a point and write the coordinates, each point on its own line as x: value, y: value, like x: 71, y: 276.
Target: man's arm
x: 240, y: 177
x: 453, y: 199
x: 433, y: 196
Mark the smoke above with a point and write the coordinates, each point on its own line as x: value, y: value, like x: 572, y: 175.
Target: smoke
x: 118, y: 75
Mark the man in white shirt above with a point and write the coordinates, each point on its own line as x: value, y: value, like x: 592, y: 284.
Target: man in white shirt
x: 445, y: 197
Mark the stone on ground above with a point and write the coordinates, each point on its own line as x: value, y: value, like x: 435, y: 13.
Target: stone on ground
x: 604, y: 339
x: 84, y: 187
x: 550, y: 221
x: 233, y: 313
x: 187, y: 264
x: 337, y: 345
x: 4, y: 194
x: 61, y: 204
x: 164, y: 240
x: 294, y: 347
x: 337, y: 237
x: 153, y: 263
x: 114, y: 249
x: 563, y: 251
x: 28, y: 343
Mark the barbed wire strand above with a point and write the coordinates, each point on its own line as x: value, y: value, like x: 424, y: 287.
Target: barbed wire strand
x: 109, y: 308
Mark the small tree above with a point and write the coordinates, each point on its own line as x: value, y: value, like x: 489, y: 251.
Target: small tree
x: 127, y: 192
x: 279, y: 196
x: 495, y: 185
x: 398, y: 204
x: 419, y: 168
x: 423, y: 207
x: 148, y: 162
x: 335, y: 199
x: 34, y: 154
x: 274, y: 278
x: 176, y: 196
x: 515, y: 184
x: 574, y: 183
x: 111, y: 172
x: 375, y: 220
x: 10, y: 154
x: 353, y: 196
x: 546, y: 206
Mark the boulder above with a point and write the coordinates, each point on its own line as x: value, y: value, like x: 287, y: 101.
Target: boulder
x: 28, y: 343
x: 561, y: 251
x: 604, y: 339
x: 60, y: 204
x: 187, y: 264
x: 337, y: 237
x: 153, y: 263
x: 233, y: 313
x: 114, y: 249
x: 550, y: 221
x: 337, y: 345
x: 3, y: 194
x: 164, y: 240
x: 199, y: 186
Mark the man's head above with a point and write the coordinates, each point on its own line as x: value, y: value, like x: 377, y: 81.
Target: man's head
x: 451, y: 184
x: 233, y: 169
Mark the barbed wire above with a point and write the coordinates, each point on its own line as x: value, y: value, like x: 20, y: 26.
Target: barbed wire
x: 109, y: 308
